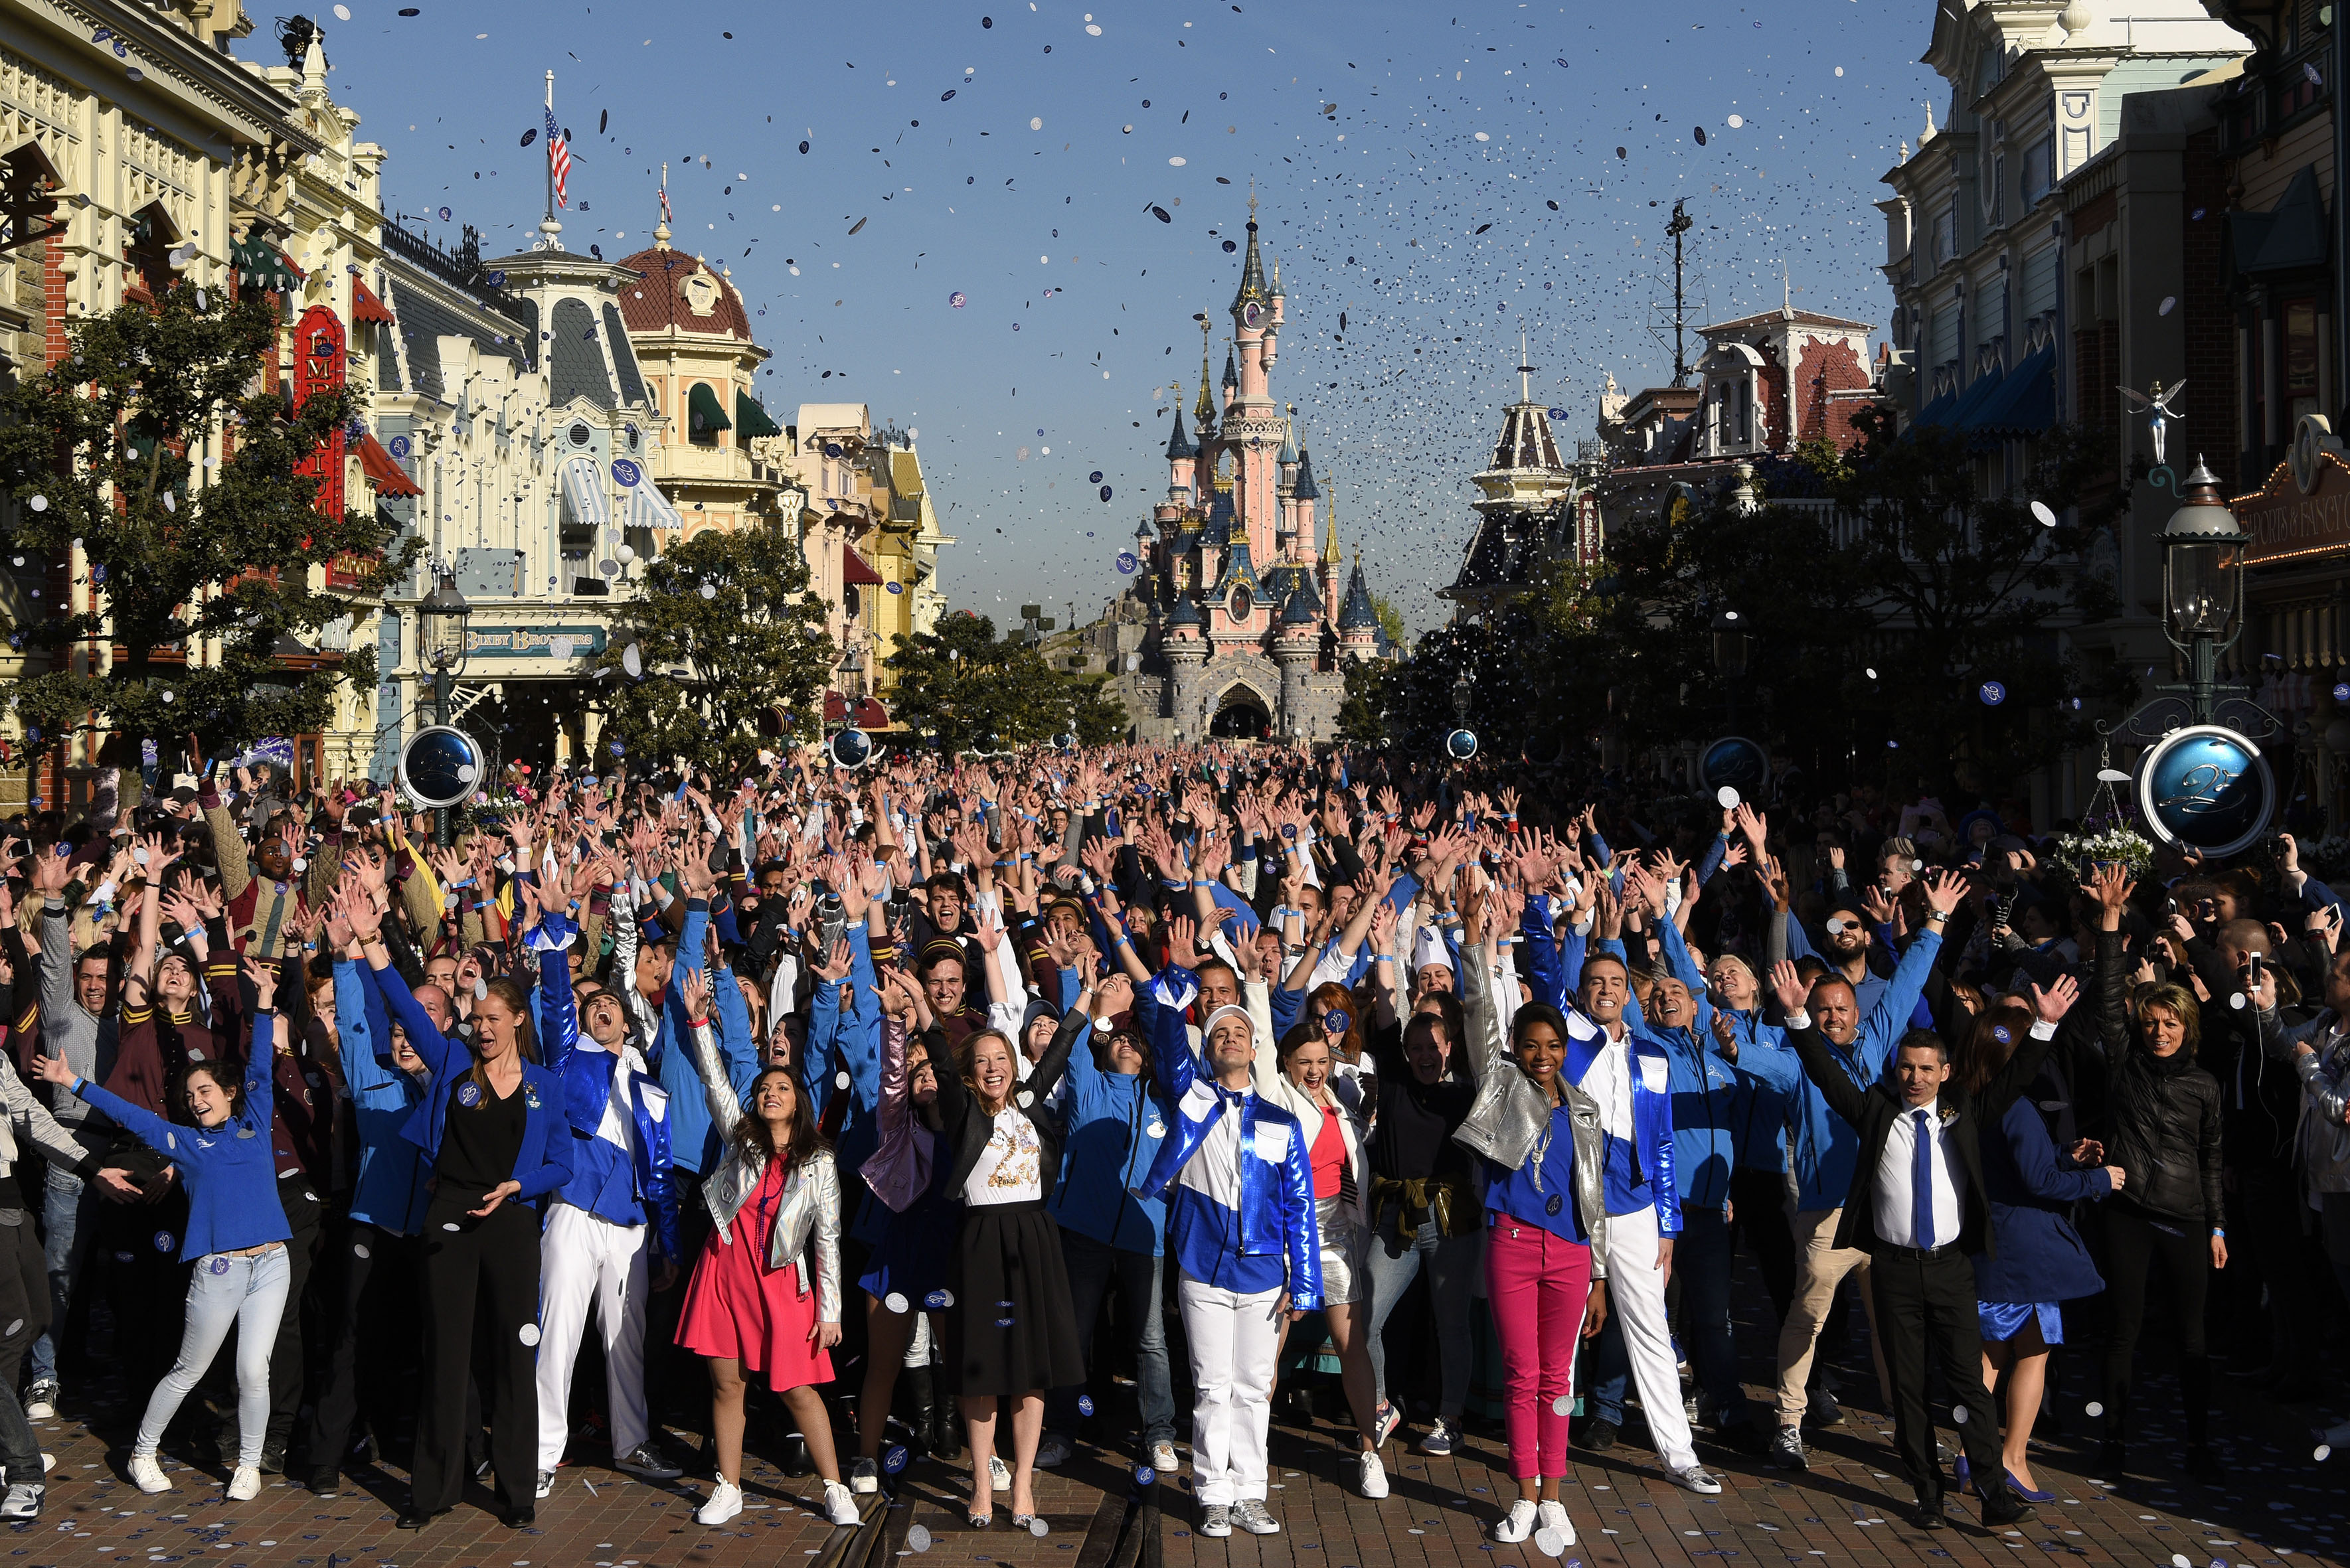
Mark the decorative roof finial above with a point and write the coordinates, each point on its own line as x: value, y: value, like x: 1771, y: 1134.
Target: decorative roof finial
x: 1203, y: 413
x: 660, y: 230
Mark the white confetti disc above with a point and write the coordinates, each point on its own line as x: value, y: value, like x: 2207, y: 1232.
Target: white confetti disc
x: 2170, y: 302
x: 358, y: 1250
x: 895, y: 1301
x: 2178, y: 1560
x: 840, y: 1081
x: 1727, y: 796
x: 527, y: 1334
x: 709, y: 592
x: 1839, y: 70
x: 1483, y: 136
x: 2323, y: 1452
x: 631, y: 659
x: 1959, y: 1414
x: 465, y: 772
x: 2093, y: 1408
x: 1027, y: 1098
x: 1550, y: 1542
x: 1092, y: 30
x: 342, y: 12
x: 1735, y: 122
x: 449, y: 1225
x: 1035, y: 123
x: 39, y: 503
x: 1175, y: 164
x: 1563, y: 1406
x: 2040, y: 510
x: 1037, y: 1527
x: 918, y: 1538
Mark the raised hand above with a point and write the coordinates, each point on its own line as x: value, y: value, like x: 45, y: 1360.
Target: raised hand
x: 1788, y: 985
x: 1182, y: 939
x: 694, y: 988
x: 2052, y: 1004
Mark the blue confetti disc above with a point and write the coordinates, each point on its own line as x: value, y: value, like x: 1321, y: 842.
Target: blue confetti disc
x: 1095, y: 477
x: 893, y: 1459
x: 1084, y: 1404
x: 163, y: 1242
x: 1993, y: 693
x: 1003, y: 1323
x: 938, y: 1301
x: 1126, y: 565
x: 2342, y: 692
x: 1105, y: 492
x: 1145, y: 1476
x: 1558, y: 413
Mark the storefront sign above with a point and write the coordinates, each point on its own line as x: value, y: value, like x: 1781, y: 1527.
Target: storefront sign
x: 2206, y: 786
x: 2288, y: 524
x: 534, y: 641
x: 1738, y: 763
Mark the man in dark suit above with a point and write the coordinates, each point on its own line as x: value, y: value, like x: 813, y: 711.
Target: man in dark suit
x: 1917, y: 1206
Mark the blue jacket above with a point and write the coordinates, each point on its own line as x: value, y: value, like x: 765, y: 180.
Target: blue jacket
x: 602, y: 1181
x: 1652, y: 1103
x: 1271, y: 1239
x: 1764, y: 1099
x: 692, y: 1141
x: 2040, y: 1257
x: 846, y: 1042
x: 390, y: 1190
x: 1704, y: 1085
x: 1826, y: 1147
x: 230, y: 1170
x: 543, y: 1161
x: 1116, y: 1123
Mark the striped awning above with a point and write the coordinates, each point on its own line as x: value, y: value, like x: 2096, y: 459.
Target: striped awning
x: 365, y: 307
x: 584, y: 501
x: 649, y: 508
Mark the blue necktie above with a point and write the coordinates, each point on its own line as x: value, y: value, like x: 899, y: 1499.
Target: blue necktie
x: 1921, y: 1185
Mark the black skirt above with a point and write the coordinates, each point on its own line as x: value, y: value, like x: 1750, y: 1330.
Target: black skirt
x: 1012, y: 1331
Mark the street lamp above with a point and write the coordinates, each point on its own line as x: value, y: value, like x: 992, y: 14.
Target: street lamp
x: 440, y: 618
x: 1463, y: 691
x: 2203, y: 584
x: 1731, y: 647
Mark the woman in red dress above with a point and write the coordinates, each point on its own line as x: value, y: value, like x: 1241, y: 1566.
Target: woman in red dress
x: 765, y: 1294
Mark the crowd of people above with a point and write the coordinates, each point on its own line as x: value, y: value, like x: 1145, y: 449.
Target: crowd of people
x: 983, y: 1107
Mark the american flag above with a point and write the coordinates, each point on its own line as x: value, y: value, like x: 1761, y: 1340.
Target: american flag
x: 664, y: 199
x: 559, y: 157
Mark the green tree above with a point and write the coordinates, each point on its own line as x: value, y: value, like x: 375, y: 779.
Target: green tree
x: 729, y: 649
x: 103, y: 451
x: 972, y: 693
x: 1100, y: 719
x: 1390, y: 620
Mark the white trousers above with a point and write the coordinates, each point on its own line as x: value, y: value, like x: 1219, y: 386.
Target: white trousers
x: 583, y: 1262
x: 1635, y: 1295
x: 1235, y: 1339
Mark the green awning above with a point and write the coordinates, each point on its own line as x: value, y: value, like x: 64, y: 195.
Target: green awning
x: 751, y: 420
x: 261, y: 265
x: 704, y: 417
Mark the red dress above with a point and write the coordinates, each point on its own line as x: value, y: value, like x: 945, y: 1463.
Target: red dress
x: 736, y: 1307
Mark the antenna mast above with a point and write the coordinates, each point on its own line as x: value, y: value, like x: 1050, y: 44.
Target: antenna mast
x: 1680, y: 225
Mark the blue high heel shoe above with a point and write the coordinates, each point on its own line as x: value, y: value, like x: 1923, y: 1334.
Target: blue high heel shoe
x: 2026, y: 1493
x: 1959, y: 1470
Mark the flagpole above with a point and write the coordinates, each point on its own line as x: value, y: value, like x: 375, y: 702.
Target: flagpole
x: 548, y: 226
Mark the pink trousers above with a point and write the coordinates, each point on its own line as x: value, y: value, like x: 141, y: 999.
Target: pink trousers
x: 1536, y: 1284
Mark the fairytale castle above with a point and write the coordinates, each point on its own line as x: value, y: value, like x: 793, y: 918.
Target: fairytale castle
x: 1236, y: 625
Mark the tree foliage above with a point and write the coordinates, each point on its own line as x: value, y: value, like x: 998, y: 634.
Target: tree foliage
x: 969, y: 692
x: 730, y: 647
x: 104, y: 451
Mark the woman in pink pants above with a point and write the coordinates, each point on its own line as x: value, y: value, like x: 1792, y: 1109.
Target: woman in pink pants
x: 1546, y: 1219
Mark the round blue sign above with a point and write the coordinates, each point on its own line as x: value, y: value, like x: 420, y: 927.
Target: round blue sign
x: 2342, y: 692
x: 1558, y: 413
x: 1460, y: 745
x: 1738, y: 763
x: 1993, y: 693
x: 1126, y: 563
x: 626, y: 473
x: 2206, y: 786
x: 895, y: 588
x: 400, y: 447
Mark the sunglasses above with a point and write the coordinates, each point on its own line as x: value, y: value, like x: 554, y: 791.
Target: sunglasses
x: 1840, y: 925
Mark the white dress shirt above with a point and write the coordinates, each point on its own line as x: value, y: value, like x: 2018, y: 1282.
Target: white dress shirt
x: 1896, y: 1169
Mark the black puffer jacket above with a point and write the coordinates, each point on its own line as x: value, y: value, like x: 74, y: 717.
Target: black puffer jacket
x: 2162, y: 1113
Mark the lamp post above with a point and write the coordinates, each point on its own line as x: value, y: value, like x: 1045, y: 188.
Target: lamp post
x: 1463, y: 691
x: 2202, y: 585
x: 440, y: 637
x: 1729, y: 651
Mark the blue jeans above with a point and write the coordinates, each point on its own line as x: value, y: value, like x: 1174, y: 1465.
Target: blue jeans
x: 251, y: 1294
x: 1092, y: 1267
x: 1392, y: 1265
x: 69, y: 1224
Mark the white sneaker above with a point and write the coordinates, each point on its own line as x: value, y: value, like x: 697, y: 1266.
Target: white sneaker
x: 1553, y: 1516
x: 864, y: 1476
x: 999, y: 1474
x: 1163, y: 1459
x: 1697, y: 1480
x: 726, y: 1502
x: 22, y: 1502
x: 840, y: 1504
x: 147, y: 1475
x: 545, y: 1483
x: 1518, y: 1525
x: 41, y: 1401
x: 246, y: 1484
x: 1370, y: 1475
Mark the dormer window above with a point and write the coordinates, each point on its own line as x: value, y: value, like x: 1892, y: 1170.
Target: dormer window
x: 701, y: 293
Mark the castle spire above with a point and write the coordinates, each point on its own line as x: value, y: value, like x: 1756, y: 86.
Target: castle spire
x: 1331, y: 555
x: 1179, y: 441
x: 1253, y: 285
x: 1203, y: 413
x: 1232, y: 377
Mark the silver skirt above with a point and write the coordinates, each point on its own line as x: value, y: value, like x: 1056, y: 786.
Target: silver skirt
x: 1344, y: 1242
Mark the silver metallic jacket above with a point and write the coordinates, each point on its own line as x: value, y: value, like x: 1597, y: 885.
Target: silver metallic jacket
x: 811, y: 1206
x: 1509, y: 1121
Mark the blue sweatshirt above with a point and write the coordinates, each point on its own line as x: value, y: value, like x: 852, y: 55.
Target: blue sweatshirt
x: 390, y: 1191
x: 1826, y: 1147
x: 1115, y: 1122
x: 230, y: 1170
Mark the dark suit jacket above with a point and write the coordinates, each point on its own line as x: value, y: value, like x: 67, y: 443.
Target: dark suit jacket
x: 1871, y: 1112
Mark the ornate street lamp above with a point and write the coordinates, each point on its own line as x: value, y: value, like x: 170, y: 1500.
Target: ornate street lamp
x: 1463, y: 692
x: 440, y: 618
x: 2203, y: 584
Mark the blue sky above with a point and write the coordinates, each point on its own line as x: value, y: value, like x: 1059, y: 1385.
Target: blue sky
x: 1406, y: 158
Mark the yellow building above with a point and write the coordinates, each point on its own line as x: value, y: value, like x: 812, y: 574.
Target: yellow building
x: 172, y: 159
x: 692, y: 339
x: 870, y: 533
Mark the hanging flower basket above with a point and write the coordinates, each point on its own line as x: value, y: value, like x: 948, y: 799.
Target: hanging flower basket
x: 2084, y: 852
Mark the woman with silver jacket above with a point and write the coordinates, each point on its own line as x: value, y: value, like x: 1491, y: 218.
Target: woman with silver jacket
x: 1545, y: 1218
x: 765, y: 1293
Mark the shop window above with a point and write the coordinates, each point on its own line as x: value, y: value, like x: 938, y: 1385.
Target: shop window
x: 147, y: 248
x: 2297, y: 92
